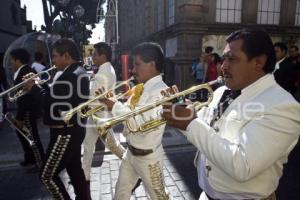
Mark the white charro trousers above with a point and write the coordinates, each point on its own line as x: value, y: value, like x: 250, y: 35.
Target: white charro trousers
x: 89, y: 143
x: 149, y: 168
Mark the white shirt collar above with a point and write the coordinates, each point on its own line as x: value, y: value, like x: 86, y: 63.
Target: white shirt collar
x: 148, y: 85
x: 57, y: 75
x: 18, y: 71
x: 104, y: 67
x: 278, y: 63
x: 260, y: 84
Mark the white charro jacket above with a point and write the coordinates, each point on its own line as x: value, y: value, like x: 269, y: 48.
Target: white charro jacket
x: 104, y: 78
x: 151, y: 92
x: 247, y: 147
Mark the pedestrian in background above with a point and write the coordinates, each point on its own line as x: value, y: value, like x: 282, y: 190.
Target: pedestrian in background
x: 214, y: 69
x: 295, y: 57
x: 37, y: 64
x: 199, y: 69
x: 285, y: 70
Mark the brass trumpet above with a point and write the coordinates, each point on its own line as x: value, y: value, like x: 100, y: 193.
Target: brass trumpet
x: 81, y: 109
x: 15, y: 92
x: 104, y: 126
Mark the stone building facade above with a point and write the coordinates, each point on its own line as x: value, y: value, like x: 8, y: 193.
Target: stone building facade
x: 13, y: 23
x: 185, y: 27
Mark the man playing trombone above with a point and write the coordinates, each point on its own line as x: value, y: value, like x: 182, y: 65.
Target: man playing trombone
x: 144, y: 156
x: 27, y: 111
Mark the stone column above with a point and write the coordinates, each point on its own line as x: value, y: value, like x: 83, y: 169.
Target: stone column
x: 182, y: 50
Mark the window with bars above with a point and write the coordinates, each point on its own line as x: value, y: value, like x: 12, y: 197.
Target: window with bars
x: 229, y: 11
x: 171, y: 12
x: 297, y: 18
x: 268, y: 11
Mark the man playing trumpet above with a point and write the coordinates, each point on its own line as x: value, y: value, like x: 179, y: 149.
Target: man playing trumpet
x: 144, y: 156
x: 27, y: 112
x: 245, y: 134
x: 69, y: 89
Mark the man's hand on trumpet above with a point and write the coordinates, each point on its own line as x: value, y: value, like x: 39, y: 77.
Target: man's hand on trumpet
x: 178, y: 114
x: 29, y: 84
x: 107, y: 99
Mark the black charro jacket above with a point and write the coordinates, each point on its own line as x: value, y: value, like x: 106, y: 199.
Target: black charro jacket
x: 26, y: 103
x: 67, y: 92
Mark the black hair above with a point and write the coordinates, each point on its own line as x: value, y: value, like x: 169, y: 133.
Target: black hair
x: 282, y: 46
x: 256, y: 42
x: 208, y: 49
x: 38, y: 56
x: 295, y: 47
x: 65, y: 45
x: 150, y: 51
x: 103, y: 48
x: 217, y: 58
x: 20, y: 54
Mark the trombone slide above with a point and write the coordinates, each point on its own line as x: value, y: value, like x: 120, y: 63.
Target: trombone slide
x: 67, y: 115
x: 24, y: 131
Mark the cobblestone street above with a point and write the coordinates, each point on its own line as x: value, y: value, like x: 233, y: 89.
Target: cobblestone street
x: 23, y: 183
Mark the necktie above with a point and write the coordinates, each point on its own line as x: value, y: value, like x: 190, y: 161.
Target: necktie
x: 137, y: 92
x: 226, y: 99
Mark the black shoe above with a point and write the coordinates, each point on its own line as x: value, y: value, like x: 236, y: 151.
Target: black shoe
x: 88, y: 185
x: 26, y: 163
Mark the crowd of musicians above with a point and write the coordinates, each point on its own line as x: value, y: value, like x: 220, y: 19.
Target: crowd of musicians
x: 244, y: 133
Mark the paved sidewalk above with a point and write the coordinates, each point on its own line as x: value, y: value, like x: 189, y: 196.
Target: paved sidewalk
x: 19, y: 183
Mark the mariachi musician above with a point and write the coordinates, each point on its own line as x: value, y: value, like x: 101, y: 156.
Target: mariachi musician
x: 144, y: 156
x: 70, y: 87
x: 27, y: 111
